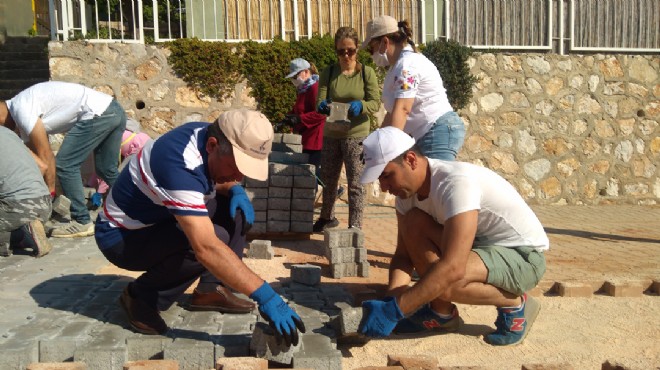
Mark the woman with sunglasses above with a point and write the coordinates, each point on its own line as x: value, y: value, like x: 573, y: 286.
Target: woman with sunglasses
x: 350, y: 82
x: 413, y: 93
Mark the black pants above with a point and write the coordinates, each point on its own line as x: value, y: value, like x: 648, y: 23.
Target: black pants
x: 163, y: 251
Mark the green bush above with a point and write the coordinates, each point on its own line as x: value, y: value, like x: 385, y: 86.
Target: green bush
x: 450, y: 58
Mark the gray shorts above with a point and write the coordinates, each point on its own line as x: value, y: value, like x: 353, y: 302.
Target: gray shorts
x: 514, y: 270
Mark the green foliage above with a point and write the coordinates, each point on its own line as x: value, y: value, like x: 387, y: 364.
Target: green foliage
x: 450, y: 58
x: 211, y: 67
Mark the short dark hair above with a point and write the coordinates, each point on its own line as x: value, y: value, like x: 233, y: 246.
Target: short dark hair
x: 414, y: 149
x: 215, y: 132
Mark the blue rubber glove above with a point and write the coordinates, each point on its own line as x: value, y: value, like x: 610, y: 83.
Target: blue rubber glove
x: 279, y: 315
x: 97, y: 200
x: 381, y: 318
x: 239, y: 199
x: 324, y: 108
x: 355, y: 108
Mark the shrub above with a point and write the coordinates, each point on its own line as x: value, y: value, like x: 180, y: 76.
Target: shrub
x: 450, y: 58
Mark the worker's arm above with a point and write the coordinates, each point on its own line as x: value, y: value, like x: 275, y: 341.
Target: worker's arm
x: 399, y: 115
x: 400, y: 266
x: 39, y: 144
x: 456, y: 244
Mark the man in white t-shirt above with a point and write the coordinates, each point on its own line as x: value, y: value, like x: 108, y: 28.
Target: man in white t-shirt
x: 93, y: 123
x: 465, y: 230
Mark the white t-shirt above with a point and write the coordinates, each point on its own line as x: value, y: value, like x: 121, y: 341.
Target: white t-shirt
x: 414, y: 76
x: 59, y: 105
x: 504, y: 217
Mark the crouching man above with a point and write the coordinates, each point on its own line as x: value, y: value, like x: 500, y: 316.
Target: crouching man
x: 175, y: 213
x: 466, y: 231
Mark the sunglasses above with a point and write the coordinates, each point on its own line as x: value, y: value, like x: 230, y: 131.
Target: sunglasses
x: 343, y: 52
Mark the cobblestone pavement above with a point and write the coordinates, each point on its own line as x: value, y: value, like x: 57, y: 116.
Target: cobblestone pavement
x: 57, y: 308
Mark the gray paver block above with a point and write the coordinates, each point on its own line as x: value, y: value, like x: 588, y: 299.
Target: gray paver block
x: 281, y: 181
x: 280, y: 169
x: 277, y: 138
x: 101, y: 358
x: 278, y: 226
x: 292, y: 138
x: 304, y: 182
x: 261, y: 216
x: 338, y: 238
x: 294, y: 148
x: 237, y: 345
x: 291, y: 158
x: 302, y: 204
x: 283, y: 204
x: 252, y: 183
x: 260, y: 204
x: 298, y: 193
x: 17, y: 355
x: 258, y: 227
x: 302, y: 216
x: 349, y: 319
x: 141, y: 347
x: 57, y: 350
x: 277, y: 192
x: 61, y: 206
x: 191, y: 353
x: 304, y: 170
x: 346, y: 255
x: 306, y: 274
x: 302, y: 227
x: 264, y: 345
x: 257, y: 193
x: 327, y: 361
x: 260, y: 249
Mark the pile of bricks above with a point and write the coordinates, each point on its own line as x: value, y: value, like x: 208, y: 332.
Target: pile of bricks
x: 346, y: 253
x: 284, y: 202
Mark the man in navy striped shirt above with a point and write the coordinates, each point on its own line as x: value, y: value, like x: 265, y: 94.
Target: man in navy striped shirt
x: 173, y: 214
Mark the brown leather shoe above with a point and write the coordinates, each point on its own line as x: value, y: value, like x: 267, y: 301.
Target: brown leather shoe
x: 142, y: 318
x: 221, y: 300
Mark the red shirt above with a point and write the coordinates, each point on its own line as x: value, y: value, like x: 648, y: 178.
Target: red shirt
x: 311, y: 122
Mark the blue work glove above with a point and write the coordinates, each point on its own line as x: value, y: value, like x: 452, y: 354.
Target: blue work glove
x: 96, y: 200
x: 324, y: 108
x: 279, y: 315
x: 381, y: 317
x: 238, y: 199
x: 355, y: 108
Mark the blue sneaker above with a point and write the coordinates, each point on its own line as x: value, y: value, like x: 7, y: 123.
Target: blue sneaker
x: 425, y: 320
x: 512, y: 325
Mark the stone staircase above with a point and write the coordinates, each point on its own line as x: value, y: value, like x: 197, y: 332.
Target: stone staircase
x: 23, y: 63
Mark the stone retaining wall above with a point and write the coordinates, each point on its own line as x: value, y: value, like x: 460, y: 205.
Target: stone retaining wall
x: 577, y: 129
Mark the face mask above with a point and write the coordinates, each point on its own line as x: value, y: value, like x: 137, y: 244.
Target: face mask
x: 380, y: 59
x: 298, y: 81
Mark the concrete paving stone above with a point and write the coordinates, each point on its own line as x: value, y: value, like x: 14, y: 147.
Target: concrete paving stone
x: 236, y: 345
x: 261, y: 216
x: 259, y: 227
x: 417, y: 362
x: 304, y: 169
x: 280, y: 169
x: 304, y: 311
x: 173, y: 316
x: 349, y: 320
x: 146, y: 347
x: 190, y: 353
x: 312, y: 343
x: 237, y: 327
x: 277, y: 226
x: 260, y: 204
x: 18, y: 354
x: 330, y: 360
x: 290, y: 158
x: 292, y: 138
x: 302, y: 204
x: 252, y: 183
x: 346, y: 255
x: 302, y: 216
x: 151, y: 365
x: 279, y: 192
x: 264, y: 345
x: 295, y: 287
x: 57, y: 366
x: 278, y: 215
x: 257, y: 193
x: 300, y: 193
x: 101, y: 358
x: 57, y: 349
x: 77, y: 328
x: 304, y: 182
x: 277, y: 138
x: 241, y: 363
x: 305, y: 296
x: 302, y: 227
x: 620, y: 288
x: 202, y: 318
x: 109, y: 336
x: 275, y: 204
x: 306, y: 274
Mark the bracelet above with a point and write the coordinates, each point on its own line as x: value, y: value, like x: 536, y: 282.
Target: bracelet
x: 52, y: 195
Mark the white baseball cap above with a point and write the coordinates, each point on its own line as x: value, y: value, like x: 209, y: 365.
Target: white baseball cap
x: 251, y: 136
x: 380, y: 147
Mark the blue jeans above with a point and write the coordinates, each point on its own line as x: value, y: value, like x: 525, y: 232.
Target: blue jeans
x: 102, y: 135
x: 444, y: 139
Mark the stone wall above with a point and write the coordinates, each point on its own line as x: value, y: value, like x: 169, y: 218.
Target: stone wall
x: 578, y: 129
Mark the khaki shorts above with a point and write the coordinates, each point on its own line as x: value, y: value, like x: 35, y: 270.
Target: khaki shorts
x: 514, y: 270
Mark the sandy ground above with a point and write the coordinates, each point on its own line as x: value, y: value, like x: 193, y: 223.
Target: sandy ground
x: 582, y: 332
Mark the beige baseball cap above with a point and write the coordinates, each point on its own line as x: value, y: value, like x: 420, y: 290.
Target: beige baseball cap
x: 380, y: 26
x: 251, y: 136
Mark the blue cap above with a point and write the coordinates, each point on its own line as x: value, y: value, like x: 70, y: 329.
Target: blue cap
x: 297, y: 65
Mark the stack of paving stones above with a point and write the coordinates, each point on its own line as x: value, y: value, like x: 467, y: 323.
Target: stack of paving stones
x: 284, y: 202
x: 346, y: 253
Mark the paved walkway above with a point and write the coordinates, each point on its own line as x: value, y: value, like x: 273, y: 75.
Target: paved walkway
x: 51, y: 305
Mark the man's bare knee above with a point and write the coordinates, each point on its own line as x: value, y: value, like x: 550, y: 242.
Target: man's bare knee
x: 416, y: 223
